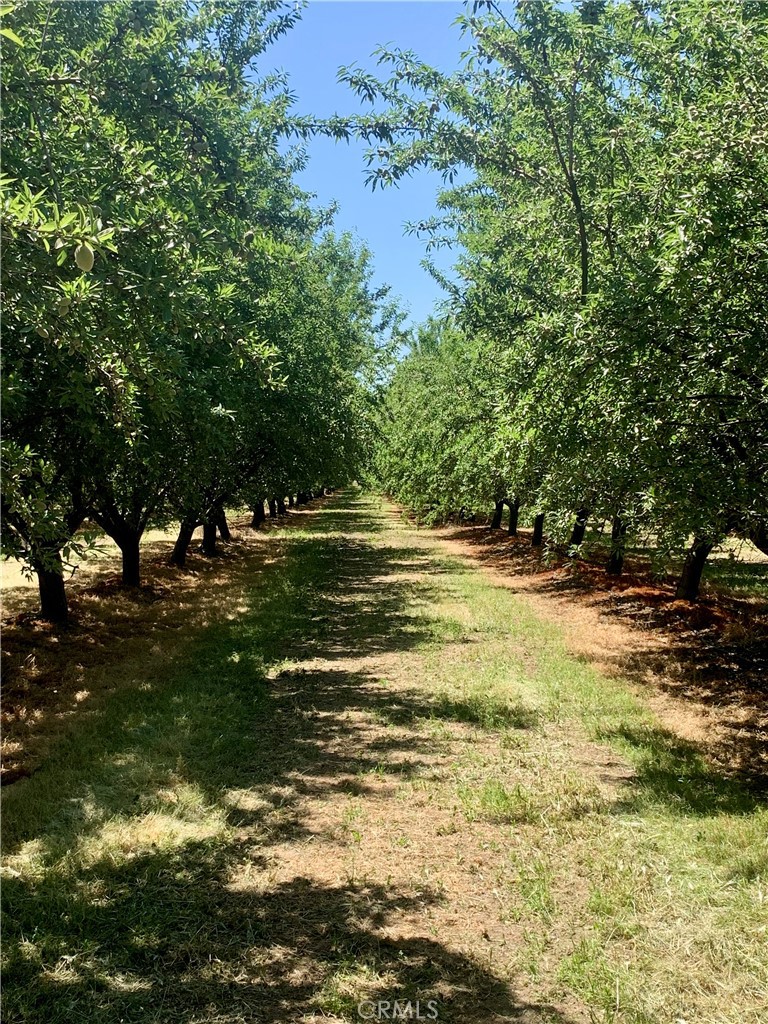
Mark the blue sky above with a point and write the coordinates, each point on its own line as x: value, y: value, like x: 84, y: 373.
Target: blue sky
x: 342, y: 32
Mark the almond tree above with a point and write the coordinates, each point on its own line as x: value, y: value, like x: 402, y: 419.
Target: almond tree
x: 614, y: 239
x: 150, y: 223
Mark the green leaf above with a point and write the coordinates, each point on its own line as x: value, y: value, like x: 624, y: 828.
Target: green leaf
x: 10, y: 34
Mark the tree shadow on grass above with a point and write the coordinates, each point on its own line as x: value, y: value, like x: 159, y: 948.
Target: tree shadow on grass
x: 351, y: 513
x: 118, y: 636
x: 211, y: 715
x: 175, y: 941
x: 728, y: 676
x: 115, y: 926
x: 672, y: 772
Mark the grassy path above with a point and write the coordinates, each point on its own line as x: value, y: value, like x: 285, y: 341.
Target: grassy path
x: 378, y: 776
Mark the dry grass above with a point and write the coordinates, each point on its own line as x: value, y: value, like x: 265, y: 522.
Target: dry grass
x: 363, y: 770
x: 703, y: 668
x: 52, y: 674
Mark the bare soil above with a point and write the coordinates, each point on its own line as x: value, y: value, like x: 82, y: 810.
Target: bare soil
x: 702, y: 667
x: 359, y: 867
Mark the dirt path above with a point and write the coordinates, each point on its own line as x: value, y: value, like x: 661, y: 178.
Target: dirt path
x: 608, y: 642
x: 705, y: 686
x: 381, y: 779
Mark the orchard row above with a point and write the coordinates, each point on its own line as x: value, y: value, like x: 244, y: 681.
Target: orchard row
x: 606, y: 353
x: 182, y: 329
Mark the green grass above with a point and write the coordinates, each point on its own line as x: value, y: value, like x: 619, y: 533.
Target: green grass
x: 736, y: 568
x: 743, y: 579
x: 138, y: 883
x: 668, y: 874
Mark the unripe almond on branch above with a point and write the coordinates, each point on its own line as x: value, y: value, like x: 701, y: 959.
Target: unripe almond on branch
x: 84, y: 256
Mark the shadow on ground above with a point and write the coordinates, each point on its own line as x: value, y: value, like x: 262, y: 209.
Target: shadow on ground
x: 134, y: 929
x: 237, y: 955
x: 715, y: 652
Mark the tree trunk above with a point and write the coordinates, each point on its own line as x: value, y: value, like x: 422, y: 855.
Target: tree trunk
x: 53, y: 596
x: 690, y: 577
x: 538, y: 531
x: 258, y: 515
x: 514, y: 513
x: 497, y: 514
x: 618, y: 538
x: 579, y: 527
x: 272, y: 508
x: 209, y: 538
x: 179, y: 554
x: 290, y: 501
x: 759, y: 537
x: 281, y: 510
x: 221, y: 522
x: 129, y: 548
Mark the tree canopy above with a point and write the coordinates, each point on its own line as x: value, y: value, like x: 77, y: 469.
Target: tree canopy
x: 182, y: 328
x: 612, y: 268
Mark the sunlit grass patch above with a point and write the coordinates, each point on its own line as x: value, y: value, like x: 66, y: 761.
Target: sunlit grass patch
x: 348, y: 985
x: 122, y: 838
x: 740, y: 569
x: 564, y: 797
x: 534, y: 883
